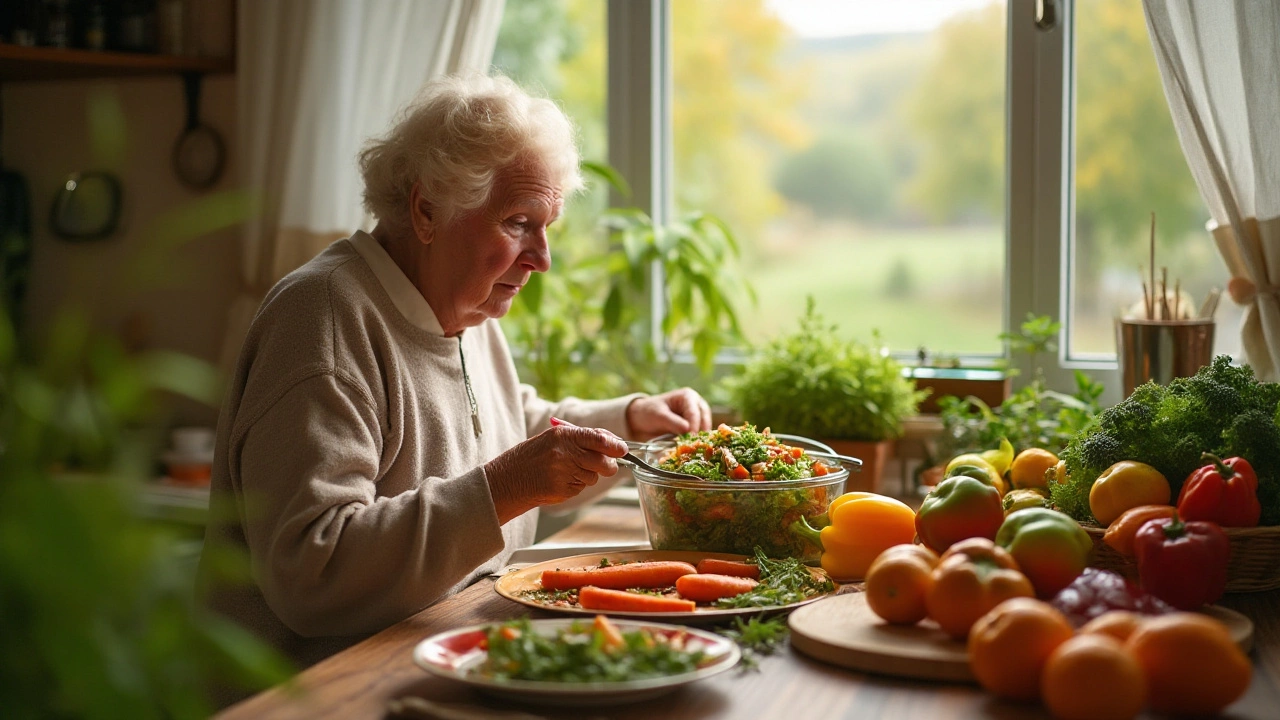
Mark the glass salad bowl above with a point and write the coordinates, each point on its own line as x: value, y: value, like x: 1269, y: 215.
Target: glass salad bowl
x: 736, y: 516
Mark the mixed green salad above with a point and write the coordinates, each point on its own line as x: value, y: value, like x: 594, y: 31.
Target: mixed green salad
x: 741, y: 453
x: 737, y: 518
x: 586, y: 652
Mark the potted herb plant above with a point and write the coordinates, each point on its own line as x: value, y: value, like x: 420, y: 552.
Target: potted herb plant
x: 847, y: 394
x: 1034, y: 416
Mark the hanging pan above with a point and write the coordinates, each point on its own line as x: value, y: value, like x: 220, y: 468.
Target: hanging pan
x: 199, y: 155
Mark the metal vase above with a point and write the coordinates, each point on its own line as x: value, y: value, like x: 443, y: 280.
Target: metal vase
x: 1162, y: 350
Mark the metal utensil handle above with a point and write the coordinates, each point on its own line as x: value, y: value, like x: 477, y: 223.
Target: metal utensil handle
x: 630, y: 458
x: 804, y: 441
x: 852, y: 462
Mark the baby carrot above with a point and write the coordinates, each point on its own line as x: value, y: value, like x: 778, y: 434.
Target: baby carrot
x: 709, y: 588
x: 729, y: 567
x: 594, y: 598
x: 655, y: 574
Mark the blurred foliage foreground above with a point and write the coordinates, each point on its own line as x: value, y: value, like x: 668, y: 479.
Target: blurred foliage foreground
x: 98, y: 617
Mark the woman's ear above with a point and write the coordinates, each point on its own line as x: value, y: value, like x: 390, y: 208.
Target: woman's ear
x: 421, y: 215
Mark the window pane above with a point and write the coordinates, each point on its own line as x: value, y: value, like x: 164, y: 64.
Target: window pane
x: 857, y: 149
x: 1129, y: 164
x: 557, y: 48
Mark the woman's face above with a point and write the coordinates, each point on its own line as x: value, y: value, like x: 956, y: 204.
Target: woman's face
x: 480, y: 260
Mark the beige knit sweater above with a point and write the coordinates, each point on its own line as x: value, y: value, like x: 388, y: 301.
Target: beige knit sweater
x: 347, y: 466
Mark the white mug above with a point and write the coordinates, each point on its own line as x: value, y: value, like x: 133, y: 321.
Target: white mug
x: 192, y: 440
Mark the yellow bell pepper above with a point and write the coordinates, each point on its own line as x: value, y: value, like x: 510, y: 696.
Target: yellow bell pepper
x: 1125, y: 485
x: 862, y: 526
x: 1000, y: 458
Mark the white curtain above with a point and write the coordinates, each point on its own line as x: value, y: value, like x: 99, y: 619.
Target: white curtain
x: 316, y: 78
x: 1220, y: 65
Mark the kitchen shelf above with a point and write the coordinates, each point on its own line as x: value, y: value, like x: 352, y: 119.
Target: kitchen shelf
x: 20, y: 63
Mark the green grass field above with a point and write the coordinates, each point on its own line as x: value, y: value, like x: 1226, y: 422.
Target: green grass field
x: 937, y: 287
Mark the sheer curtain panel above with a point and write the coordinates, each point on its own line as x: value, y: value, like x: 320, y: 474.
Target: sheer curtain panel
x: 316, y: 78
x: 1219, y: 62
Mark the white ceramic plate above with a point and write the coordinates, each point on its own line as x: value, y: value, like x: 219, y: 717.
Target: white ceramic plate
x: 516, y: 583
x: 457, y: 655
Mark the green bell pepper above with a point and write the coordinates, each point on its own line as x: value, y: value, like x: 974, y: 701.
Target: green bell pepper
x: 1050, y: 547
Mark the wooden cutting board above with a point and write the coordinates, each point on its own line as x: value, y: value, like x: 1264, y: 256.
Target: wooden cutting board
x: 843, y: 631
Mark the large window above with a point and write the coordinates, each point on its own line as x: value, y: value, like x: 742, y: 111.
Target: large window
x: 857, y: 150
x: 935, y: 170
x: 1128, y: 165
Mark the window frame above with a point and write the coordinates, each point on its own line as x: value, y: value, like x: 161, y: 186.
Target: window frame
x: 1039, y: 160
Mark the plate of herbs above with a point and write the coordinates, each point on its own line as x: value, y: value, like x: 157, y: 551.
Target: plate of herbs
x: 576, y: 661
x: 781, y: 584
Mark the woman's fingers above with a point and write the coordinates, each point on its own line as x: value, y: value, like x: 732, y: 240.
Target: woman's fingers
x: 690, y: 406
x: 592, y: 440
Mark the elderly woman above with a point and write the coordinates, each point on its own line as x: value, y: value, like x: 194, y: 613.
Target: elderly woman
x: 376, y: 451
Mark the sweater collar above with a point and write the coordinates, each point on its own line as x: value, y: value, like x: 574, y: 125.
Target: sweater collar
x: 404, y: 295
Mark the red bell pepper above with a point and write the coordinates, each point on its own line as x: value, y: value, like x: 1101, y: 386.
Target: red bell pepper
x: 1184, y: 564
x: 1224, y: 492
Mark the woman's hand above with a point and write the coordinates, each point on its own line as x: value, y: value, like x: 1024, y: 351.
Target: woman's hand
x: 551, y: 467
x: 677, y: 411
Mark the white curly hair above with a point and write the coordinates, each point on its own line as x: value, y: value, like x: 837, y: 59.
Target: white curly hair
x: 454, y: 138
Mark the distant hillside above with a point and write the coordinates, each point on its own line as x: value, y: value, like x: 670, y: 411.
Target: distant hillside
x: 851, y: 44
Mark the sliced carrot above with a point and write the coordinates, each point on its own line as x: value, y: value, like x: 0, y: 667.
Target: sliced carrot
x: 709, y: 588
x: 729, y: 567
x: 612, y: 635
x: 594, y: 598
x: 655, y: 574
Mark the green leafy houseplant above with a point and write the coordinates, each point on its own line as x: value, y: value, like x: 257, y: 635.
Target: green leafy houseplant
x: 812, y: 383
x: 583, y: 328
x: 97, y: 611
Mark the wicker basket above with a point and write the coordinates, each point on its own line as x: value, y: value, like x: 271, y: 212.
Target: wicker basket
x: 1254, y: 565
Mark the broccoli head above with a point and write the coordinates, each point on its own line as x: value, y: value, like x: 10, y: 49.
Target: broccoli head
x: 1222, y: 409
x: 1255, y: 437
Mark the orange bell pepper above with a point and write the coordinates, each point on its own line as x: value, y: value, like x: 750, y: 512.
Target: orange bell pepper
x: 1120, y: 533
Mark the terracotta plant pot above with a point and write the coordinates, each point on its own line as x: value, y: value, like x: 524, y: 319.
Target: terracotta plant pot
x: 989, y: 386
x: 874, y: 456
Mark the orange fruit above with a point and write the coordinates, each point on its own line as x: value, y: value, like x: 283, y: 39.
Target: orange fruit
x: 973, y: 576
x: 898, y: 582
x: 1009, y: 646
x: 1191, y: 664
x: 1118, y: 624
x: 1028, y: 468
x: 1091, y: 677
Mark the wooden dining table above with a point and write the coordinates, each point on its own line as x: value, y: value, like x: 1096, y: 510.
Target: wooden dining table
x: 358, y: 683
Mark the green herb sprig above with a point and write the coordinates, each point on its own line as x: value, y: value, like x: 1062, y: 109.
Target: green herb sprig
x: 550, y: 597
x: 757, y: 637
x: 782, y: 582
